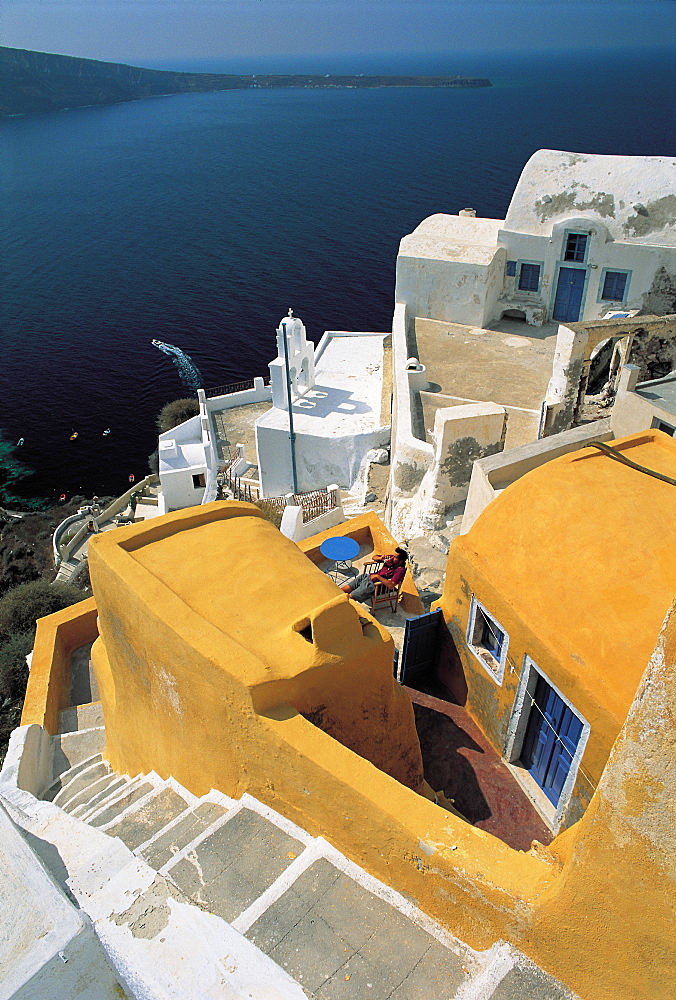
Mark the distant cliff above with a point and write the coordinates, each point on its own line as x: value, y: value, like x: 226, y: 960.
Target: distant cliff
x: 40, y: 81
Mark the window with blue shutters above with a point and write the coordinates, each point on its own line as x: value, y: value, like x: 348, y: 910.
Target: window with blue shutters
x: 510, y: 268
x: 529, y: 277
x: 615, y: 286
x: 575, y: 247
x: 488, y: 640
x: 551, y: 740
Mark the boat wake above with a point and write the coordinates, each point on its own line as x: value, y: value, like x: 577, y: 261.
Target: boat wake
x: 187, y: 369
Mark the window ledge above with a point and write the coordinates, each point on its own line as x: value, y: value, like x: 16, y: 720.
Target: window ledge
x: 544, y: 808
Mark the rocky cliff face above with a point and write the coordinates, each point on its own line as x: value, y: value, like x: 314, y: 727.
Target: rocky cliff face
x: 41, y: 81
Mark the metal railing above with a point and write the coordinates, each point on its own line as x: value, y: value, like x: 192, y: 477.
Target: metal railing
x: 225, y: 390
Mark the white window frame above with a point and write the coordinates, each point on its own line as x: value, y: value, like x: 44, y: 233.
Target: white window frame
x: 483, y: 655
x: 552, y: 814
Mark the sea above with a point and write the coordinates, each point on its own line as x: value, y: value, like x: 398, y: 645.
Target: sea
x: 199, y: 220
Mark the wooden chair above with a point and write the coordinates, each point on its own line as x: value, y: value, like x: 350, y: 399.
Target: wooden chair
x: 383, y: 596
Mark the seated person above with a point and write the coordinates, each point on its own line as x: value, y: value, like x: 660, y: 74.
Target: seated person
x: 391, y: 573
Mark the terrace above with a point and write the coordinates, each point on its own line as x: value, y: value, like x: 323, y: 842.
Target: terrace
x: 460, y: 764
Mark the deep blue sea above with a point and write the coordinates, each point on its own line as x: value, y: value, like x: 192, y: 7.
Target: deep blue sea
x: 200, y: 219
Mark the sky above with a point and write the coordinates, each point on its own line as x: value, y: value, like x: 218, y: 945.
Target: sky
x: 151, y: 30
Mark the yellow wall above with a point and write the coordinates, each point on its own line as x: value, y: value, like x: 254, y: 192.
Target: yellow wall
x: 577, y: 562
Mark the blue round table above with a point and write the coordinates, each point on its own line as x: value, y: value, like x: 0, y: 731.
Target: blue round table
x: 341, y: 550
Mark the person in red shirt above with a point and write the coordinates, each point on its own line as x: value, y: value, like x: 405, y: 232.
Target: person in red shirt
x: 391, y: 573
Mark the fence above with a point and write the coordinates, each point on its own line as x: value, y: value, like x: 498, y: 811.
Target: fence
x: 314, y: 503
x: 225, y: 390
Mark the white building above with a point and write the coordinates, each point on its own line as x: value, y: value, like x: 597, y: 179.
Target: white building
x: 584, y: 233
x: 339, y: 411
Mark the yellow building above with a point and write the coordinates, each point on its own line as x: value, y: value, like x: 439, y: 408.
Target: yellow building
x: 209, y: 620
x: 554, y: 600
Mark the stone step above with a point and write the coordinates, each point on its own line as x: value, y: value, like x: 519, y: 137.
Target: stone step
x: 69, y: 749
x: 89, y: 716
x: 62, y: 780
x: 339, y: 940
x: 332, y: 927
x: 140, y: 824
x: 107, y: 789
x: 81, y: 782
x: 112, y: 807
x: 184, y: 830
x: 234, y: 864
x: 96, y: 790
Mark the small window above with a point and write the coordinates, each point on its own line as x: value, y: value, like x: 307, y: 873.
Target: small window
x: 614, y: 286
x: 487, y: 640
x: 199, y: 481
x: 510, y: 268
x: 576, y: 247
x: 529, y: 277
x: 661, y: 426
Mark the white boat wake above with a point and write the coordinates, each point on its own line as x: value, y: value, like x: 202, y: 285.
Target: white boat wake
x: 187, y: 369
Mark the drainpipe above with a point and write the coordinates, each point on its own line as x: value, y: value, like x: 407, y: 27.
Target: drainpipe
x: 292, y: 436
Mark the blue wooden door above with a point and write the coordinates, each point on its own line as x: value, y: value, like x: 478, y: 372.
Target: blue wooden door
x: 552, y: 735
x: 569, y: 291
x: 421, y: 644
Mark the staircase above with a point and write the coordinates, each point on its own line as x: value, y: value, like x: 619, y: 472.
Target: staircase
x: 338, y: 932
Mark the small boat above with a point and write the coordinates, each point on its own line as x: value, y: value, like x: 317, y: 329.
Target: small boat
x: 73, y: 435
x: 20, y: 442
x: 106, y: 432
x: 62, y: 498
x: 131, y: 477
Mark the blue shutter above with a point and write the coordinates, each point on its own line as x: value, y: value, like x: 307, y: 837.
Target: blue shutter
x: 510, y: 268
x: 614, y: 285
x: 552, y: 735
x: 529, y: 278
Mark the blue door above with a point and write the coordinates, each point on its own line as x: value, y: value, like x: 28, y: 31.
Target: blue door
x: 552, y: 735
x: 569, y: 289
x: 421, y: 646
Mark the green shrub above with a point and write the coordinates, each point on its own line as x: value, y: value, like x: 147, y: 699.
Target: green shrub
x: 13, y: 666
x: 21, y: 606
x: 173, y: 414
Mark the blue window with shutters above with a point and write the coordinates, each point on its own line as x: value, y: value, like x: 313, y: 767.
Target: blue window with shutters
x: 615, y: 286
x: 552, y: 735
x: 510, y: 268
x: 575, y: 247
x: 529, y: 277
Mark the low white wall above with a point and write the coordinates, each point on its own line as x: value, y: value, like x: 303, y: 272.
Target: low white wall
x: 462, y: 434
x: 632, y: 413
x: 453, y: 290
x: 259, y: 394
x: 48, y: 949
x: 320, y: 460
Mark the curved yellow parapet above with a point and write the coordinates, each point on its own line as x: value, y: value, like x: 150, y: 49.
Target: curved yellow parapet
x: 48, y: 690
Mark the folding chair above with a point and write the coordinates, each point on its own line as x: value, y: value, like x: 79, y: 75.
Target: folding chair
x: 383, y: 596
